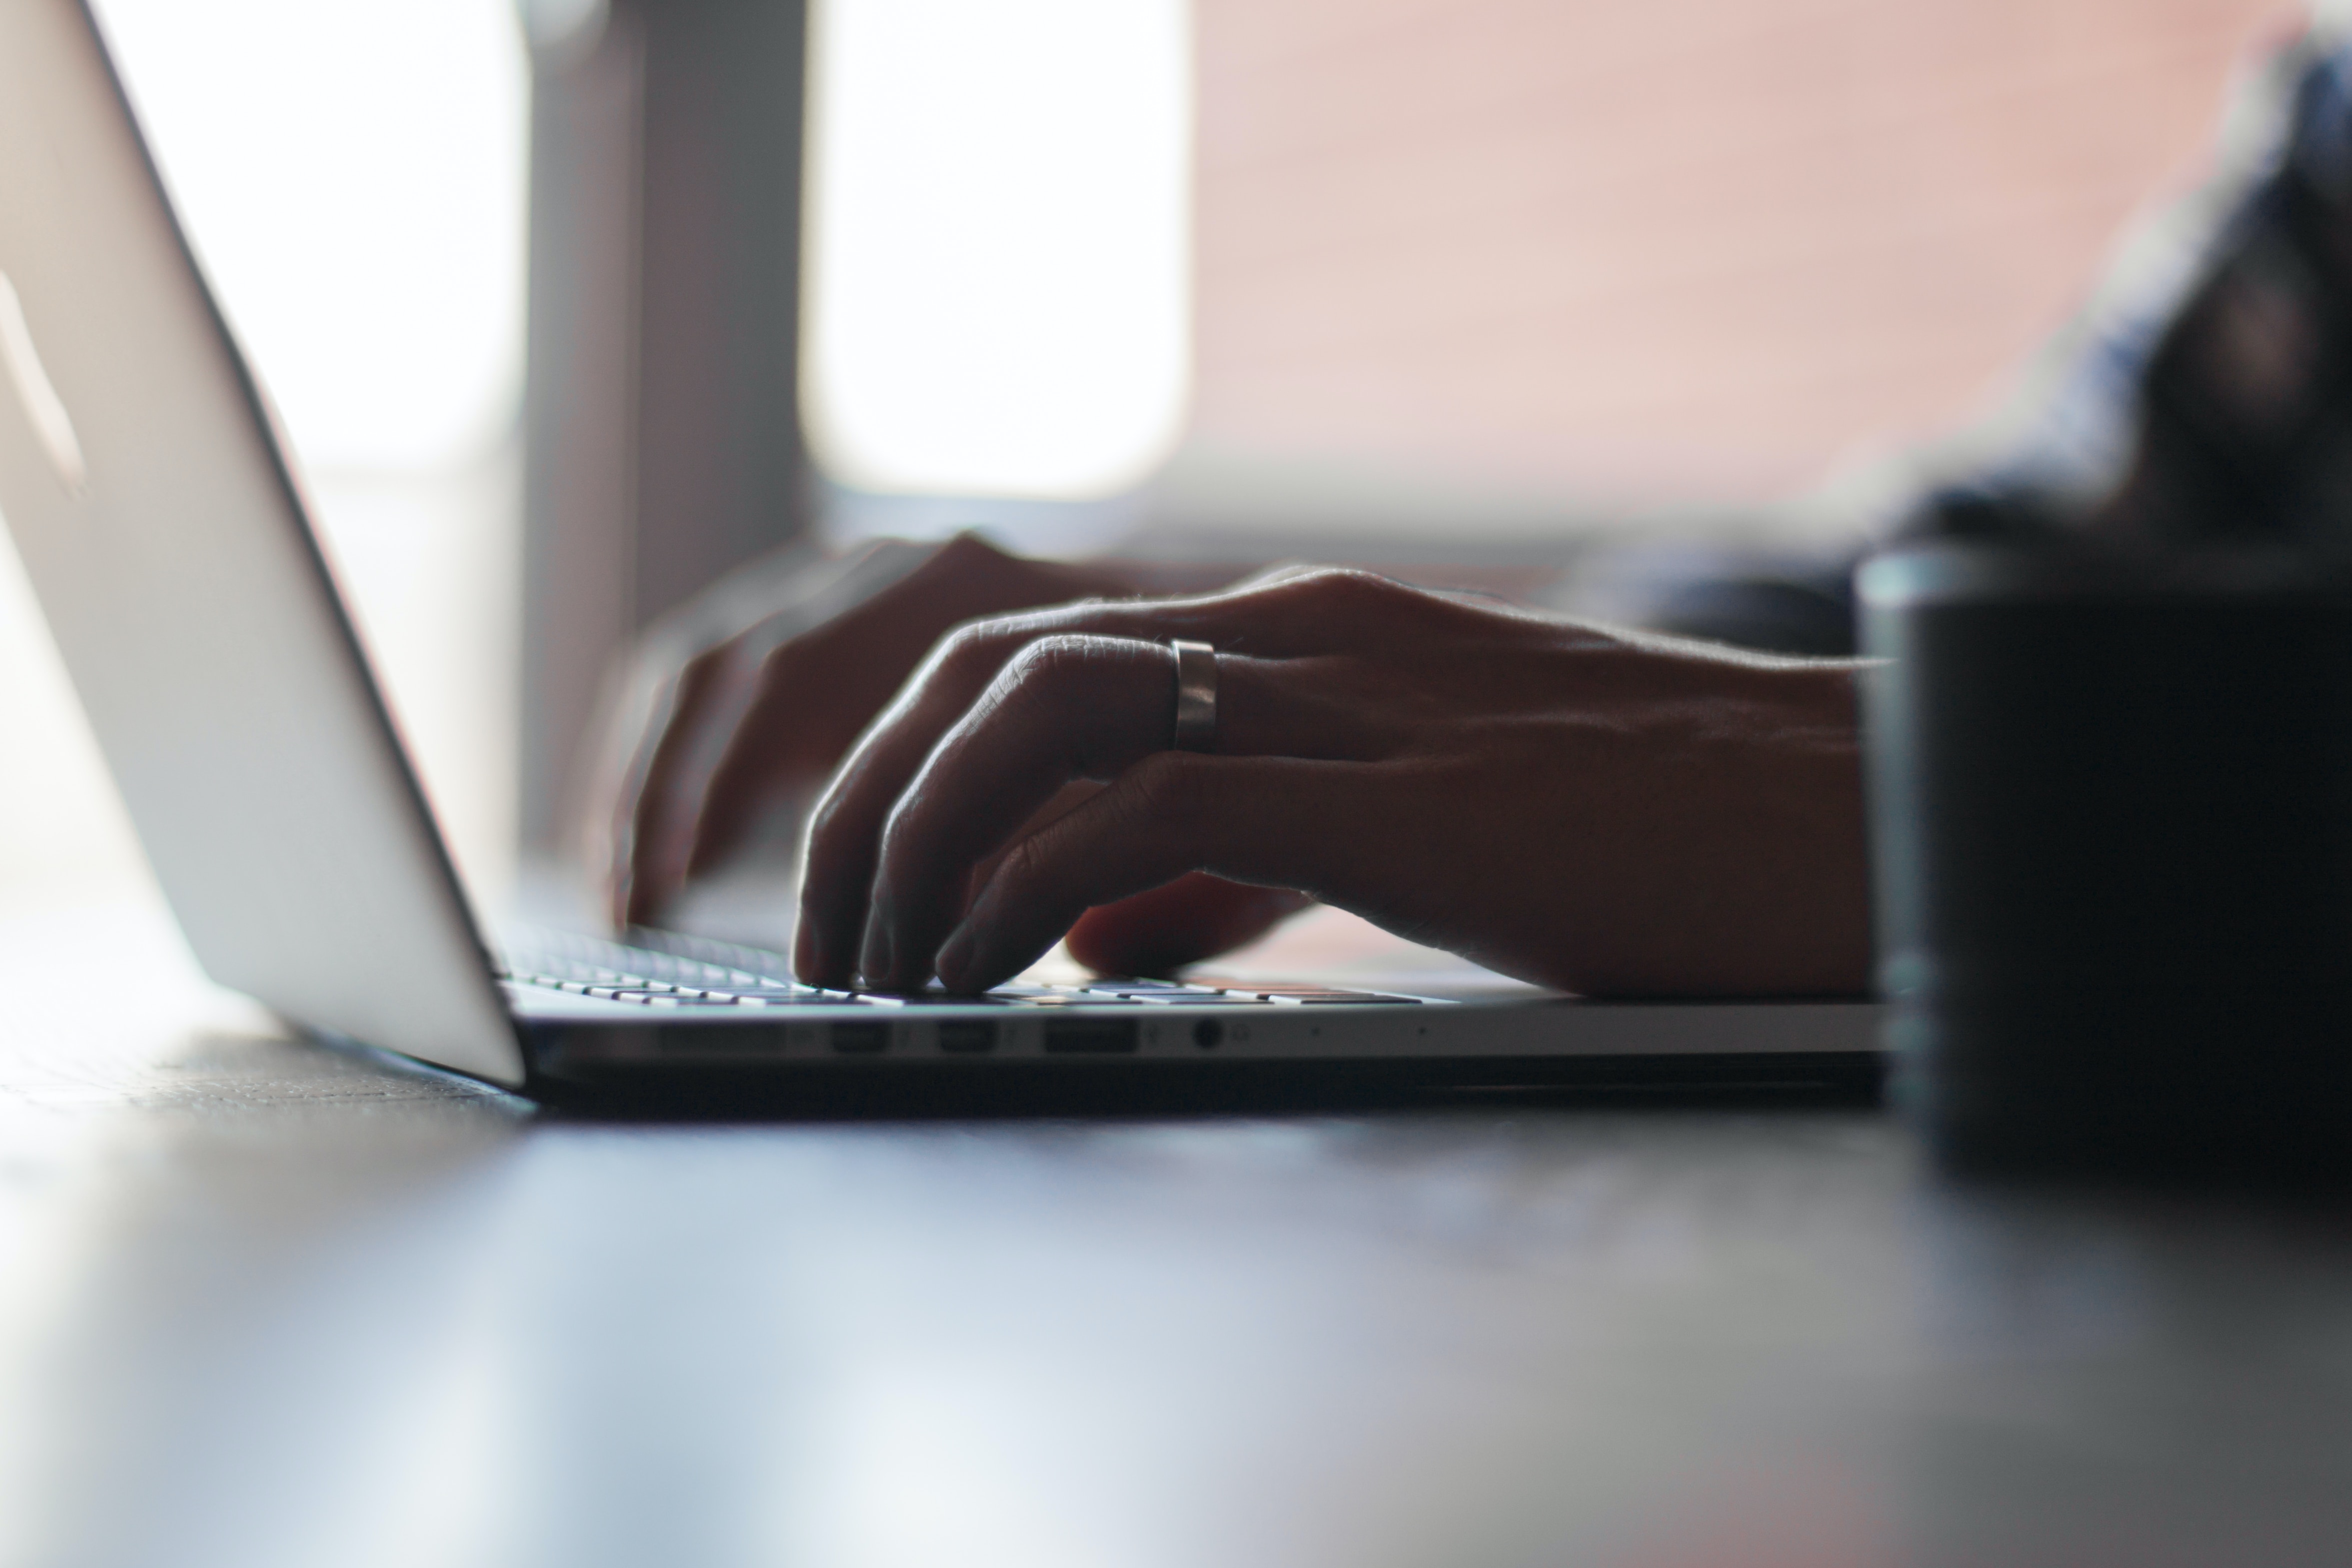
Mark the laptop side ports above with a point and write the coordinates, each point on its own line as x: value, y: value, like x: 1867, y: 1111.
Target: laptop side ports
x: 967, y: 1037
x: 1090, y: 1037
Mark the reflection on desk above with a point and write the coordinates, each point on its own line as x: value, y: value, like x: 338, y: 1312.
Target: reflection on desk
x: 264, y: 1303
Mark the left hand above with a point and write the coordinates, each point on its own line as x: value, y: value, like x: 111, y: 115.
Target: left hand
x: 1599, y: 811
x: 753, y: 694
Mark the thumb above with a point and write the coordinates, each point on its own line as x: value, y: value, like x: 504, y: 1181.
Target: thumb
x: 1195, y: 916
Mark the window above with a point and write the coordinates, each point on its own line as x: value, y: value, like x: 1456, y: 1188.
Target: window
x: 997, y: 283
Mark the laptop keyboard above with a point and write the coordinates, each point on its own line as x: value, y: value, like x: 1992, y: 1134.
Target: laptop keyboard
x: 688, y: 972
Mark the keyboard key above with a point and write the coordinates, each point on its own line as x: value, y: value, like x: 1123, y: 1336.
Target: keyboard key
x: 677, y: 972
x: 1337, y: 998
x: 671, y: 999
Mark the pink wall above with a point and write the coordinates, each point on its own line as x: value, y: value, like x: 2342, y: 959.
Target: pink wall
x: 1651, y: 248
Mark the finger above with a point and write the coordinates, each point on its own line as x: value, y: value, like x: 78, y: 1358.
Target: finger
x: 1065, y: 709
x: 786, y: 740
x: 817, y: 693
x: 1273, y: 821
x: 775, y: 636
x: 607, y: 786
x: 1068, y: 799
x: 747, y: 612
x: 838, y: 853
x: 656, y: 811
x: 1323, y: 612
x: 1194, y: 917
x: 841, y: 847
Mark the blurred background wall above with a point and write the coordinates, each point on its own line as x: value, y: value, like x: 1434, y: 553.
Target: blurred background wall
x: 1701, y: 251
x: 1234, y: 276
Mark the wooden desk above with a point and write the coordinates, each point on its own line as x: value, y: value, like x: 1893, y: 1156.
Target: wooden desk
x: 264, y: 1305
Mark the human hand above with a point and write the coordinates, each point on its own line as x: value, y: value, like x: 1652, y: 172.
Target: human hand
x: 753, y: 694
x: 1590, y: 809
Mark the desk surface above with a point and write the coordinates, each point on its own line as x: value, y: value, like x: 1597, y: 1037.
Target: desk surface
x: 262, y: 1303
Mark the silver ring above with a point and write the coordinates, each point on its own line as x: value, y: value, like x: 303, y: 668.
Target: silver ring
x: 1196, y: 696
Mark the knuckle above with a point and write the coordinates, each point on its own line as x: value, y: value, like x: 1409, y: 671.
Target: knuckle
x: 705, y: 667
x: 949, y: 660
x: 971, y: 651
x: 823, y: 820
x: 1348, y: 584
x: 890, y: 846
x: 1048, y: 664
x: 1167, y: 788
x: 966, y: 548
x: 833, y: 816
x: 967, y: 642
x: 783, y: 659
x: 1341, y: 594
x: 1022, y: 865
x: 896, y: 843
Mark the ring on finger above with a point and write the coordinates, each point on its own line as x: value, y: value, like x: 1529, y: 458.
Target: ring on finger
x: 1196, y: 696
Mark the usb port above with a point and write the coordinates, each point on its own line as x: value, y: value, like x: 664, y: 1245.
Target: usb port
x: 1094, y: 1037
x: 861, y: 1038
x: 967, y: 1036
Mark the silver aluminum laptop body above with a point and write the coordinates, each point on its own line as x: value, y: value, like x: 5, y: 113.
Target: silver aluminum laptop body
x: 167, y: 538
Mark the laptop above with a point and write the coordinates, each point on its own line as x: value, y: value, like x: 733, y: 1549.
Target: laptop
x: 166, y: 536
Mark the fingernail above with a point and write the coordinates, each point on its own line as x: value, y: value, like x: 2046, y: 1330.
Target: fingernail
x: 956, y: 957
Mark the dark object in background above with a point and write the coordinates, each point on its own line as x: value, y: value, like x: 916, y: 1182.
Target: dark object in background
x: 2109, y: 828
x: 1792, y: 613
x: 1773, y: 601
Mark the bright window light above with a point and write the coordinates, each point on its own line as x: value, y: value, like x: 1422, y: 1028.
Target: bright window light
x: 999, y: 236
x: 353, y: 174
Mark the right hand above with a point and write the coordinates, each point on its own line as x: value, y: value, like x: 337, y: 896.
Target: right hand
x: 1603, y: 811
